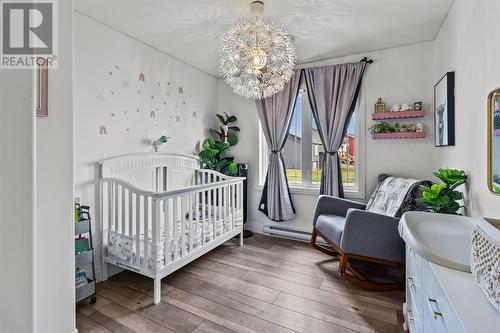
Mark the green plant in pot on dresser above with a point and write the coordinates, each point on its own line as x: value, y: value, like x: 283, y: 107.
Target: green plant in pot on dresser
x: 443, y: 198
x: 214, y: 150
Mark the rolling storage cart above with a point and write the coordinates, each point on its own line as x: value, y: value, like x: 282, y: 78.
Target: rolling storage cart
x: 84, y: 258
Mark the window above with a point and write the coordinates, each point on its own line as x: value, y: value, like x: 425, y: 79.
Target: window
x: 303, y: 151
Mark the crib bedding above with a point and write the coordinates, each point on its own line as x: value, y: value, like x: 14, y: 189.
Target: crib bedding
x: 122, y: 247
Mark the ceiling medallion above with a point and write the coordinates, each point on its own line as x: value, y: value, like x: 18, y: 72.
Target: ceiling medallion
x: 257, y: 57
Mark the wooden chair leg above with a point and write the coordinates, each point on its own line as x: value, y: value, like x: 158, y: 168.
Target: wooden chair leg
x: 357, y: 279
x: 314, y: 236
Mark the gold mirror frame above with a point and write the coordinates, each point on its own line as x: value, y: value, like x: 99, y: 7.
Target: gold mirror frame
x: 491, y: 134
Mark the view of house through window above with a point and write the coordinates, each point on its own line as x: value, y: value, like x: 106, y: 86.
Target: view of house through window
x: 303, y: 152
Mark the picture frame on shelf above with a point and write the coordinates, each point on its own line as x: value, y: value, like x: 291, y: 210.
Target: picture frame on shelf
x: 444, y: 111
x: 379, y: 106
x: 417, y: 106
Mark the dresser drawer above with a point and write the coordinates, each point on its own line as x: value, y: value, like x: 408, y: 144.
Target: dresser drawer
x: 412, y: 318
x: 437, y: 313
x: 414, y: 279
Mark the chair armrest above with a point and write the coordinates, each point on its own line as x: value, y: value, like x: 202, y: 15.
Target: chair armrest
x: 335, y: 206
x: 372, y: 235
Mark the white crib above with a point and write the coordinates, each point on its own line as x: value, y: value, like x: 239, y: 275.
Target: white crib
x: 161, y: 211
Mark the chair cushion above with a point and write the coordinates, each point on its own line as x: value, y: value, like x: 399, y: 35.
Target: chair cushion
x: 331, y: 226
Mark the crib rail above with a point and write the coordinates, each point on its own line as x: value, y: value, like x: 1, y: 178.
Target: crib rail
x: 166, y: 226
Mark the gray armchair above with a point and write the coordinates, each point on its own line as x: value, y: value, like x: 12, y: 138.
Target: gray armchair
x: 352, y: 232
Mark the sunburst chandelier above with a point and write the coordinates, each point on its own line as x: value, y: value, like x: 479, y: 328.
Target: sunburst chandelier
x: 257, y: 57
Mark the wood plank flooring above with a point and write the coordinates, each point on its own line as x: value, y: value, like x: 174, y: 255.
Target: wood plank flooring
x: 268, y: 285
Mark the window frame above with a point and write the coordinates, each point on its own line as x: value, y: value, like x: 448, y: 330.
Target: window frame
x: 353, y: 192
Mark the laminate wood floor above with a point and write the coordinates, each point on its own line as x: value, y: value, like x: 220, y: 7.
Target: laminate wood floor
x: 268, y: 285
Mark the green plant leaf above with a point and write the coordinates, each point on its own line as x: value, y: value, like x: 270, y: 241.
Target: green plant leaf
x: 232, y: 169
x: 234, y: 128
x: 215, y: 133
x: 232, y: 138
x: 207, y: 143
x: 221, y: 119
x: 231, y: 119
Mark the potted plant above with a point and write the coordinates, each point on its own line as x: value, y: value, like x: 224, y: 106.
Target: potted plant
x: 213, y: 154
x: 382, y: 127
x: 443, y: 198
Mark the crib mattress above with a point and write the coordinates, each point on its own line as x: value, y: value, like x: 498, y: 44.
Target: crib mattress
x: 122, y: 248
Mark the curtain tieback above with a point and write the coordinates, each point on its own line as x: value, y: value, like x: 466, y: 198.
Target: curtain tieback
x: 330, y: 152
x: 275, y: 151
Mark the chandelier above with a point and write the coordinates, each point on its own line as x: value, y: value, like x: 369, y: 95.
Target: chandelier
x: 257, y: 57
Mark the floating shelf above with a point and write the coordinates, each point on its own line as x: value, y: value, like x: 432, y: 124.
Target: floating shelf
x: 398, y: 114
x: 399, y: 135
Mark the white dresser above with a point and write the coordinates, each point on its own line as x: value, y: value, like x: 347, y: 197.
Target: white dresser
x: 441, y: 294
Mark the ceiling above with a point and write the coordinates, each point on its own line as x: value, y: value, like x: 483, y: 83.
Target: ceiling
x: 191, y: 29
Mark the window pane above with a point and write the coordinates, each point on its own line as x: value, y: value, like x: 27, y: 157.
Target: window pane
x: 318, y: 153
x: 346, y: 155
x: 292, y: 152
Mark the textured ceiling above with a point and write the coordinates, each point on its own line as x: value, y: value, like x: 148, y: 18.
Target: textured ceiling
x: 190, y: 30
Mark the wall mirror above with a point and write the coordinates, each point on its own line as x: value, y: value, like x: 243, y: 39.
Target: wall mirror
x: 494, y: 141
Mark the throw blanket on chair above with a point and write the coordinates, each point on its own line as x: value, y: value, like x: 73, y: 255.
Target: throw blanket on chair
x: 391, y: 196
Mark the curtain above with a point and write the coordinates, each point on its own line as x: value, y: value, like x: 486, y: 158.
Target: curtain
x: 333, y: 92
x: 275, y: 114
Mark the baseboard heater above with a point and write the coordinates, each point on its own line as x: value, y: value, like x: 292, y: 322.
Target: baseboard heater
x: 288, y: 233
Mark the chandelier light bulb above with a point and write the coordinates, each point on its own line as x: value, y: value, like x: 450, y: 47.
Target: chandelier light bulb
x: 258, y: 58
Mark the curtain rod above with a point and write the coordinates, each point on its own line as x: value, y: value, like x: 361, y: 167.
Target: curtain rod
x: 368, y: 61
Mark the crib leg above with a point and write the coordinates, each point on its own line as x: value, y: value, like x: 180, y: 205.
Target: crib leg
x: 157, y: 290
x: 104, y: 271
x: 241, y: 237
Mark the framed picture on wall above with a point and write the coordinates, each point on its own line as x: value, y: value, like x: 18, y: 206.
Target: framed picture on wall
x: 444, y: 111
x: 42, y: 91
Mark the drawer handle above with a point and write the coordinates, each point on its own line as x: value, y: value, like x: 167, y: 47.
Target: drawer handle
x: 435, y: 313
x: 411, y: 282
x: 409, y: 314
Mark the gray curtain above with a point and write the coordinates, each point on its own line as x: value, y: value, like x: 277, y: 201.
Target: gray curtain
x: 333, y: 92
x: 275, y: 115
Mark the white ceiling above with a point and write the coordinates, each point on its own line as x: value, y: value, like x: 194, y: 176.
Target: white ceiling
x: 191, y: 29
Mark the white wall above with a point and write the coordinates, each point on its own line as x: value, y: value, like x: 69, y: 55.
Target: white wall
x: 16, y: 200
x: 109, y: 93
x: 399, y: 75
x: 54, y: 226
x: 36, y: 178
x: 469, y: 44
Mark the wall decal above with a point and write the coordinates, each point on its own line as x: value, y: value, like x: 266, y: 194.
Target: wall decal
x: 178, y: 119
x: 141, y: 77
x: 139, y: 92
x: 126, y: 111
x: 100, y: 98
x: 127, y: 129
x: 110, y: 73
x: 158, y: 84
x: 125, y: 84
x: 117, y: 67
x: 153, y: 114
x: 112, y: 92
x: 168, y: 83
x: 181, y: 90
x: 112, y: 114
x: 152, y: 97
x: 138, y: 110
x: 103, y: 130
x: 194, y: 114
x: 164, y: 103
